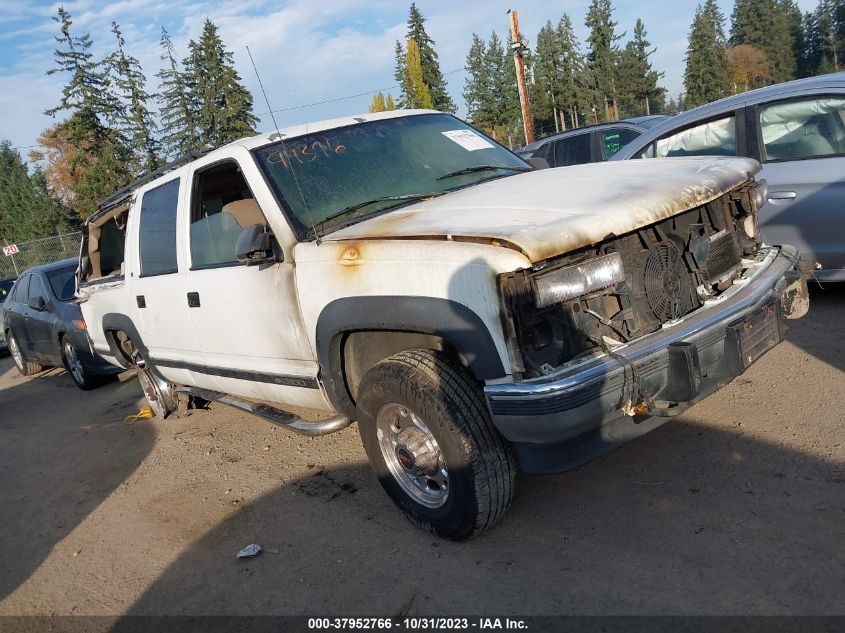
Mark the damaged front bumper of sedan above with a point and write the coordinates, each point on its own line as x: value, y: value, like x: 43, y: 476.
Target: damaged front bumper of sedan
x: 588, y: 407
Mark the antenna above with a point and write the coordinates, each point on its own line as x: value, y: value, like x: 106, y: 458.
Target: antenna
x: 281, y: 140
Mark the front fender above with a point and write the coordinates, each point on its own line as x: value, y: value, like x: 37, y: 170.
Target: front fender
x: 454, y: 322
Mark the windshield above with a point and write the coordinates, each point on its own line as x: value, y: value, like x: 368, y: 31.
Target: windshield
x: 333, y: 178
x: 63, y: 282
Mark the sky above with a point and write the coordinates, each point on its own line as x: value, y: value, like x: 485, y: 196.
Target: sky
x: 307, y: 51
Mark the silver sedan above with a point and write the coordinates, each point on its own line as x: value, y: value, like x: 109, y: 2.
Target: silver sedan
x: 797, y: 132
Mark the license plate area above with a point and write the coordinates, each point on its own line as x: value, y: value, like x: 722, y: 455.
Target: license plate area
x: 756, y: 334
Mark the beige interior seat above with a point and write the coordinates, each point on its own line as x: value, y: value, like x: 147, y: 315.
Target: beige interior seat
x: 246, y: 212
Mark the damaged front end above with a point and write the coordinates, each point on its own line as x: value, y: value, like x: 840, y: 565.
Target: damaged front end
x: 627, y: 286
x: 610, y: 341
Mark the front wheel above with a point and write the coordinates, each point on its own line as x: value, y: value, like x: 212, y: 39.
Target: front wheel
x: 430, y: 441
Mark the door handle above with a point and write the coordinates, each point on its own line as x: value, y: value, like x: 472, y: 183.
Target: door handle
x: 782, y: 195
x: 142, y: 303
x: 193, y: 300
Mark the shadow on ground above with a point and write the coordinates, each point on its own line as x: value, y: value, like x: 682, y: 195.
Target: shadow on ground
x: 822, y: 332
x: 688, y: 519
x: 55, y: 475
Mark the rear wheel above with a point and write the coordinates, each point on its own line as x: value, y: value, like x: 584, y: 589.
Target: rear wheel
x: 430, y: 441
x: 82, y: 376
x: 25, y: 367
x: 161, y: 395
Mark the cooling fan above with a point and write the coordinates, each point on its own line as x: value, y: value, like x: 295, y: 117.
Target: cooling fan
x: 666, y: 283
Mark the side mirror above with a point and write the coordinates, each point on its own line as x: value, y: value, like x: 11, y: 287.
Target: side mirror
x: 255, y: 246
x: 38, y: 303
x: 537, y: 162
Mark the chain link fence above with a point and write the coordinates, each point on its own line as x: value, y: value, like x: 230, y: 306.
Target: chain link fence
x: 36, y: 252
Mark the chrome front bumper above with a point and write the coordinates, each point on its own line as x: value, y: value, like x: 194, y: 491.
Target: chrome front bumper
x: 664, y: 372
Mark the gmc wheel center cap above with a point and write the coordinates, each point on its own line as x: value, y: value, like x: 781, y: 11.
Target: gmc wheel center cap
x: 406, y: 459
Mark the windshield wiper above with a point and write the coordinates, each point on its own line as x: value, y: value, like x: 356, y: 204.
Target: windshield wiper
x: 470, y: 170
x: 360, y: 205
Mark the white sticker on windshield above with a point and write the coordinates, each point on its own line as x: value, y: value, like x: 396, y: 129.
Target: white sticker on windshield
x: 467, y: 139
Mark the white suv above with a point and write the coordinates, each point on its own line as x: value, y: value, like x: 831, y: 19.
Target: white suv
x: 471, y: 313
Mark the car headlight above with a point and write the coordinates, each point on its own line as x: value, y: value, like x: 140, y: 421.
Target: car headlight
x: 761, y: 194
x: 563, y: 284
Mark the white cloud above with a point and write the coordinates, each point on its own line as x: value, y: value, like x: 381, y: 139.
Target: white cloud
x: 306, y: 50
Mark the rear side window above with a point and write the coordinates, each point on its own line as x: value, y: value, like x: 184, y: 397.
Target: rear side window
x: 614, y: 140
x: 713, y: 138
x: 158, y: 230
x: 572, y: 151
x: 805, y: 128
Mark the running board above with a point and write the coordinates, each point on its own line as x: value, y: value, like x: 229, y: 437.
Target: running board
x: 272, y: 414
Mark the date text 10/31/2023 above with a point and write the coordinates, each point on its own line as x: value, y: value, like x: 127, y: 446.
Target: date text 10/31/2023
x: 304, y: 153
x: 418, y: 623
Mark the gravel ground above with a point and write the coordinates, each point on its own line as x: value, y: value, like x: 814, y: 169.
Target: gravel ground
x: 736, y: 507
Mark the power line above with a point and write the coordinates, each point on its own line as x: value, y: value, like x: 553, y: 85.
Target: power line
x: 360, y: 94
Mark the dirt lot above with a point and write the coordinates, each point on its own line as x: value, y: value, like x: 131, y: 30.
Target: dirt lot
x: 736, y: 507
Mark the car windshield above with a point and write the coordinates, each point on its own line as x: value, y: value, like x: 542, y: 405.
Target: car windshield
x: 63, y: 282
x: 333, y: 178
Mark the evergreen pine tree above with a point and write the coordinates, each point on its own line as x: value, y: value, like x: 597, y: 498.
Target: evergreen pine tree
x: 477, y: 92
x: 177, y: 112
x: 432, y: 76
x: 88, y: 86
x: 102, y: 161
x: 418, y: 93
x: 545, y: 89
x: 224, y: 106
x: 706, y: 76
x: 27, y: 208
x: 638, y: 81
x: 603, y: 55
x: 573, y: 71
x: 399, y: 74
x: 137, y: 125
x: 768, y: 26
x: 505, y: 109
x: 825, y: 34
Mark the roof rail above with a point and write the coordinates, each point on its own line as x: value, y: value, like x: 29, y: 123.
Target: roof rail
x: 122, y: 194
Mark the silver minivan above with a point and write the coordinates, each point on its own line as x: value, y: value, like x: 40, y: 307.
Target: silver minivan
x: 797, y: 131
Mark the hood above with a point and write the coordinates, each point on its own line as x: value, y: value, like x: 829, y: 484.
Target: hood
x: 555, y: 211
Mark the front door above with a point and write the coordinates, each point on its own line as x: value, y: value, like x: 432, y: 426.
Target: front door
x: 803, y: 152
x: 246, y: 318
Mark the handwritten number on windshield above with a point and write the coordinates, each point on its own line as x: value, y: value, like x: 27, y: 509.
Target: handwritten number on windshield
x: 305, y: 152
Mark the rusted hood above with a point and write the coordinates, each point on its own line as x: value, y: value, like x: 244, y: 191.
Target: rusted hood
x: 554, y: 211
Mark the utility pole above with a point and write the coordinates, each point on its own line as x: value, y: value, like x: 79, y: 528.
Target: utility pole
x: 518, y: 50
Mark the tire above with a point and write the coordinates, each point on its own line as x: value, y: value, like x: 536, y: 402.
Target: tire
x: 25, y: 367
x: 409, y: 399
x: 160, y: 394
x: 81, y: 375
